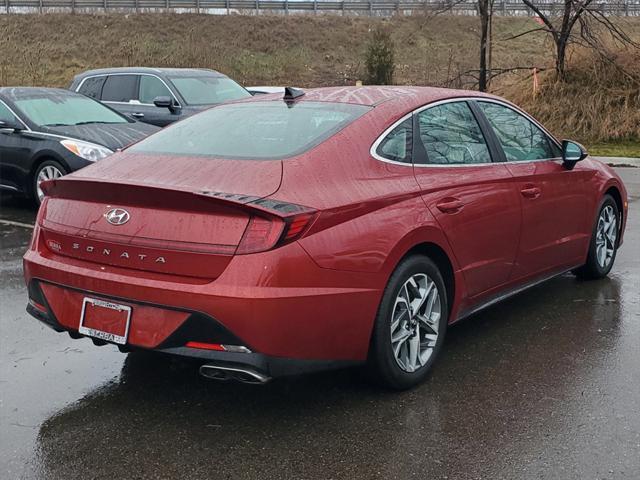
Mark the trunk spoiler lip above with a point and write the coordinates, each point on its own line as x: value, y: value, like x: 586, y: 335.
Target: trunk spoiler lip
x: 259, y: 204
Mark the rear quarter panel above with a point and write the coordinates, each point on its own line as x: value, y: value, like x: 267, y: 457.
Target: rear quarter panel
x: 372, y: 212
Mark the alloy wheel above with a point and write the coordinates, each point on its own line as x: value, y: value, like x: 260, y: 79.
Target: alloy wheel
x: 606, y: 235
x: 47, y: 173
x: 414, y: 322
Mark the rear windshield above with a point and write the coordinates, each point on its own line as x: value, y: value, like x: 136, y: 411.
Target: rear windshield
x: 253, y: 130
x: 208, y: 90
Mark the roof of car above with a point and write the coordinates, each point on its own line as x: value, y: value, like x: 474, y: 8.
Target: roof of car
x: 17, y: 93
x: 174, y: 72
x: 375, y: 95
x: 396, y: 97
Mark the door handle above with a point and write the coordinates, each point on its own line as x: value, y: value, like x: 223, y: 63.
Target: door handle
x: 530, y: 191
x: 450, y: 205
x: 137, y: 115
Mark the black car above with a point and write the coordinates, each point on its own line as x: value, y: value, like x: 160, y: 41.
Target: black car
x: 158, y: 96
x: 48, y: 132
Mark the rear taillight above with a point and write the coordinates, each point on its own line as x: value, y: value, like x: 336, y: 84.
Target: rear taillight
x: 297, y: 226
x: 36, y: 228
x: 265, y: 233
x: 261, y: 234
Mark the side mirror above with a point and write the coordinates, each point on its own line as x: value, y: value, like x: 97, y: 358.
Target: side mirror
x: 11, y: 125
x: 572, y: 152
x: 165, y: 102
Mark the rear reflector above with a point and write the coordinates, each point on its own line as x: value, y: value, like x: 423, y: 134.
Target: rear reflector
x: 205, y: 346
x: 37, y: 306
x: 218, y: 347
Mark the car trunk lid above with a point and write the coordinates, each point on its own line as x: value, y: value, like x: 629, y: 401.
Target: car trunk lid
x: 142, y: 216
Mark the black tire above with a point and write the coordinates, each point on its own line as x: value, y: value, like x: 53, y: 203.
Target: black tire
x: 383, y: 367
x: 34, y: 179
x: 593, y: 269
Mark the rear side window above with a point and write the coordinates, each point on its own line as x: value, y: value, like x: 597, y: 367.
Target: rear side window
x: 520, y: 138
x: 152, y: 87
x: 396, y: 146
x: 120, y: 88
x: 253, y: 130
x: 92, y: 87
x: 451, y: 135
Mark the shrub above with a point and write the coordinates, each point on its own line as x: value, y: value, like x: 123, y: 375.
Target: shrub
x: 379, y: 61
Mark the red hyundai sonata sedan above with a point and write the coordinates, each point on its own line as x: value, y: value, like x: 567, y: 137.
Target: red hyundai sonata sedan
x: 335, y: 227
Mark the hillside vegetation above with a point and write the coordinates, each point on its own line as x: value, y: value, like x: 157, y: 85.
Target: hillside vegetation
x: 321, y: 50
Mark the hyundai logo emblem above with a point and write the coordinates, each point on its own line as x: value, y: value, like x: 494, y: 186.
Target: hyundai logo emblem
x: 117, y: 216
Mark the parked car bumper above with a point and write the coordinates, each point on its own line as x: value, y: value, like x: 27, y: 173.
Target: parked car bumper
x: 284, y: 328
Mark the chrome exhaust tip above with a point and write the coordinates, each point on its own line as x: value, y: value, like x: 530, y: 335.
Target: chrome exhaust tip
x: 240, y: 374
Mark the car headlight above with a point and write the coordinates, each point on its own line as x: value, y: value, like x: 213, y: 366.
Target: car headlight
x: 88, y: 151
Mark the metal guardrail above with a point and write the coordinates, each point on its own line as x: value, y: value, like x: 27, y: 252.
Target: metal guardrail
x: 501, y: 7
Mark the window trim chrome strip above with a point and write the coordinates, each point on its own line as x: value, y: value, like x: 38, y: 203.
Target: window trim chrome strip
x: 376, y: 144
x: 383, y: 136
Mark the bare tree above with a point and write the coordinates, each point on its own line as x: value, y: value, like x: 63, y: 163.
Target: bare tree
x: 485, y: 12
x: 584, y: 14
x: 481, y: 76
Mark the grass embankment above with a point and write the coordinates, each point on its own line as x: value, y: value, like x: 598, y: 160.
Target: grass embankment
x: 598, y: 104
x: 267, y: 49
x: 613, y: 149
x: 311, y: 51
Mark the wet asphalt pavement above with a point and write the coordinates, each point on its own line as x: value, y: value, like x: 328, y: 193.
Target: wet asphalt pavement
x: 543, y: 386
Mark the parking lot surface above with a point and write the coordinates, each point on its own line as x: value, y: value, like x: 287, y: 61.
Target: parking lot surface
x: 543, y: 386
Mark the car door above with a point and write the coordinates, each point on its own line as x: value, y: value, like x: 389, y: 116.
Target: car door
x: 120, y: 92
x: 151, y: 87
x: 468, y: 192
x: 15, y: 153
x: 555, y: 230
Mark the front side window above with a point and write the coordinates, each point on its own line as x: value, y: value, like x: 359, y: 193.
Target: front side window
x: 92, y: 87
x: 6, y: 115
x: 208, y: 90
x: 66, y: 109
x: 120, y: 88
x: 520, y: 138
x: 451, y: 135
x: 253, y: 130
x: 152, y: 87
x: 396, y: 146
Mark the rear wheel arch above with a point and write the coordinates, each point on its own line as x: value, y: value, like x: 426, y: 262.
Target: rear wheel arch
x: 430, y: 242
x: 439, y: 256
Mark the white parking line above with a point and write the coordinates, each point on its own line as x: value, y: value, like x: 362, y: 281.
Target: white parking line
x: 15, y: 224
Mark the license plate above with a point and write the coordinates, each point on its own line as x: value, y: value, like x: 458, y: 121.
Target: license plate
x: 105, y: 320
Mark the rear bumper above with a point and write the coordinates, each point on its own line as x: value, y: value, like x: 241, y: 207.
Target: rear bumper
x: 266, y: 365
x: 288, y: 329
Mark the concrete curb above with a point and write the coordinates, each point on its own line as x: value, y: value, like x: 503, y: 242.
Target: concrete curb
x: 620, y: 161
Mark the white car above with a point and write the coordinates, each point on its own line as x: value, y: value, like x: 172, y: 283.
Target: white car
x: 264, y: 90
